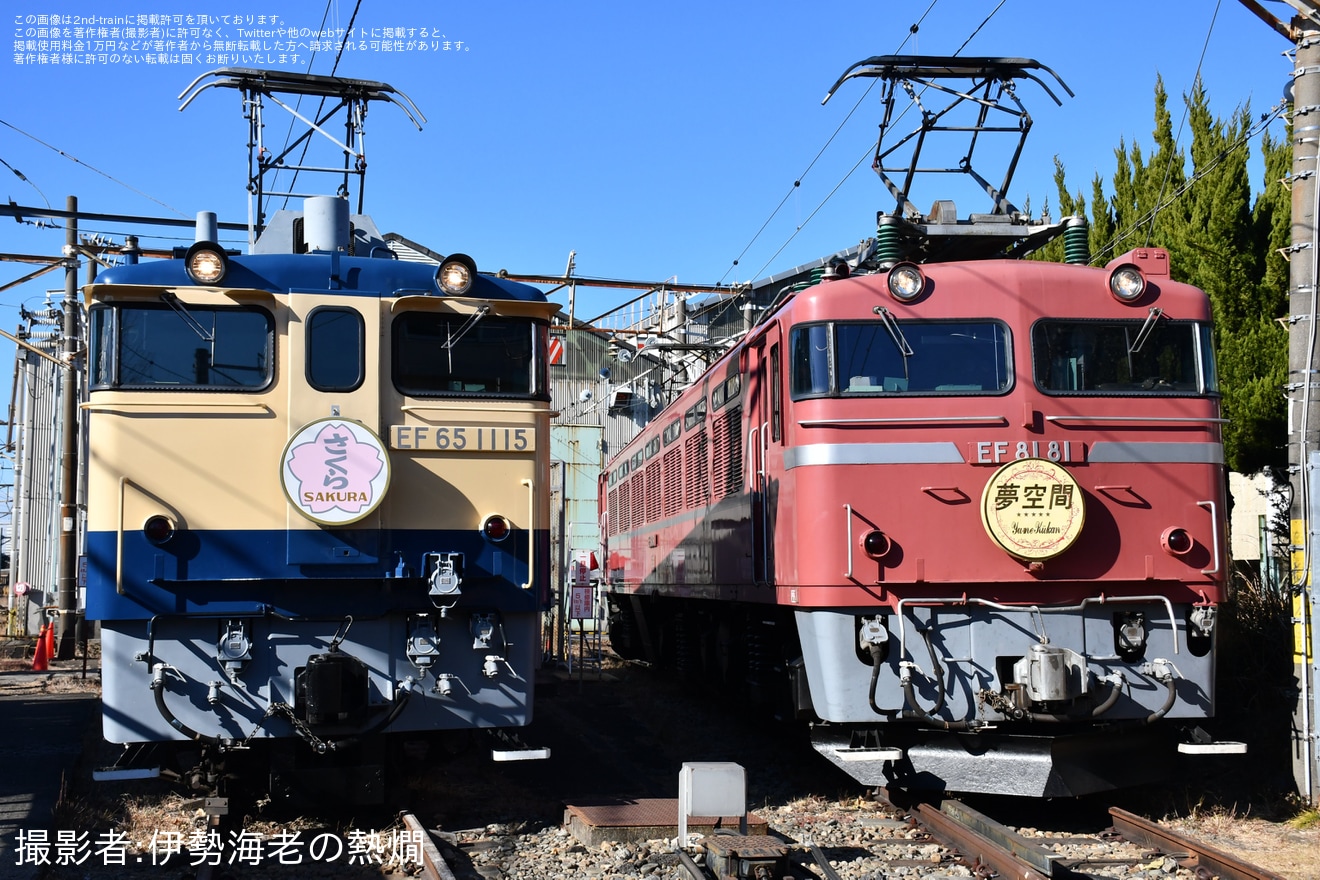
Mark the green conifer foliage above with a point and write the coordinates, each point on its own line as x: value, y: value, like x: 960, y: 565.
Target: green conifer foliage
x: 1222, y: 239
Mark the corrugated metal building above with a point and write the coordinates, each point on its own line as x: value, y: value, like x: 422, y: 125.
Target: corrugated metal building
x: 35, y: 441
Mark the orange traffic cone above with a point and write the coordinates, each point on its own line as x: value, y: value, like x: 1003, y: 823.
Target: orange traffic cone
x: 40, y: 659
x: 50, y: 641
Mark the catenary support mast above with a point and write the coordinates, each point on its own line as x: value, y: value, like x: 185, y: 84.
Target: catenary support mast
x: 68, y: 560
x: 1303, y: 387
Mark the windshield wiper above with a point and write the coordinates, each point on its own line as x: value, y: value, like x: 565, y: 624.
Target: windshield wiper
x: 1146, y: 329
x: 471, y: 322
x: 181, y: 310
x: 895, y: 332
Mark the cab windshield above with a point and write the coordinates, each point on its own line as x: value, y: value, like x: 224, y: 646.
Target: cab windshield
x: 444, y: 354
x: 1139, y: 357
x: 171, y: 346
x: 892, y: 356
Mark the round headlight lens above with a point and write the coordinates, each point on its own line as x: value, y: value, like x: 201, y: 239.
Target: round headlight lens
x: 1127, y: 284
x: 906, y: 282
x: 206, y: 263
x: 455, y: 277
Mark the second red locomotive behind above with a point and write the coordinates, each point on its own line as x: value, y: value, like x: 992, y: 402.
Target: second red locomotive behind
x: 967, y: 517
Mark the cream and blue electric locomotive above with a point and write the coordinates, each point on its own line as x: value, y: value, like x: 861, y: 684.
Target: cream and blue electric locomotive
x: 317, y: 497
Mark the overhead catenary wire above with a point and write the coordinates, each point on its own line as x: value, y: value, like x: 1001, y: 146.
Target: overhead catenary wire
x: 1161, y: 203
x: 983, y: 23
x: 352, y: 18
x: 21, y: 176
x: 1136, y: 225
x: 78, y: 161
x: 1168, y: 165
x: 325, y: 16
x: 853, y: 169
x: 321, y: 105
x: 798, y: 181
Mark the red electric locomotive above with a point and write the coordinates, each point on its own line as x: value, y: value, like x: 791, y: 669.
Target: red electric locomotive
x: 966, y: 516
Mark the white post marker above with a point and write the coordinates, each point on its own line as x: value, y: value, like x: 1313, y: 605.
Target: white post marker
x: 717, y: 788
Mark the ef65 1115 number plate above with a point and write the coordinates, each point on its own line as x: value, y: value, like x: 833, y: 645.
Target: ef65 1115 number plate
x: 463, y: 438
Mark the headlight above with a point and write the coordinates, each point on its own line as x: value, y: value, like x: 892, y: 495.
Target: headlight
x: 206, y: 263
x: 456, y: 274
x: 906, y: 282
x: 1126, y: 283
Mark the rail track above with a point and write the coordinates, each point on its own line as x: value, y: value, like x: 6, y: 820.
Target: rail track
x: 947, y: 834
x: 433, y: 865
x: 993, y: 849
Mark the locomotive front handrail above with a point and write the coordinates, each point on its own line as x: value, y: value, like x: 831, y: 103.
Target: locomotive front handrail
x: 848, y: 540
x: 119, y: 540
x: 757, y: 474
x: 119, y: 537
x: 1214, y: 535
x: 531, y: 532
x: 1034, y: 608
x: 767, y: 575
x: 124, y: 483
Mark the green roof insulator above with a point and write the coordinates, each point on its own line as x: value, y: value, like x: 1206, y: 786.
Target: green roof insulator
x: 888, y: 240
x: 816, y: 275
x: 1076, y: 241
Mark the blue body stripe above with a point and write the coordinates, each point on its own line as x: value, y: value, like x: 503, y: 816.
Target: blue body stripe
x: 242, y: 572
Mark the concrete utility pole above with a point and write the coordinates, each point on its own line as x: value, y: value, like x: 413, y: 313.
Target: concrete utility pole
x: 1303, y: 387
x: 68, y: 562
x: 1304, y: 378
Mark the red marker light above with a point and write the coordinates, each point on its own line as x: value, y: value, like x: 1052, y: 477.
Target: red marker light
x: 495, y: 528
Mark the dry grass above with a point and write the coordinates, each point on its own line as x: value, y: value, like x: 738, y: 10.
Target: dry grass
x: 1251, y: 809
x: 55, y: 684
x: 1281, y: 846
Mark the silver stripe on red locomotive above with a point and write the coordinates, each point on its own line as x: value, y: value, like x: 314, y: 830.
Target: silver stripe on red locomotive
x: 1106, y: 452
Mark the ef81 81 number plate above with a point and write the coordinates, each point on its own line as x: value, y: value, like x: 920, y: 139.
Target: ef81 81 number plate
x: 463, y: 438
x: 999, y: 451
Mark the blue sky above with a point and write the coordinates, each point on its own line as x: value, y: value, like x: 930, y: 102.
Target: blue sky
x: 655, y: 140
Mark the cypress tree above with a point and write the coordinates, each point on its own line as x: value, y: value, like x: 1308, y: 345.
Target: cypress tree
x: 1219, y: 241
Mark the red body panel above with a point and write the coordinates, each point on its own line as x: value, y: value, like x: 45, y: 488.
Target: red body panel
x: 914, y: 467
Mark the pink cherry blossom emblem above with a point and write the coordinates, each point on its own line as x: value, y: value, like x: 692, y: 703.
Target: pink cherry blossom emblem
x: 335, y: 471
